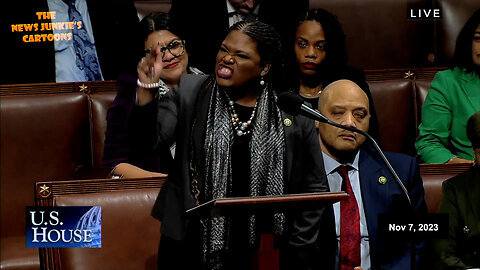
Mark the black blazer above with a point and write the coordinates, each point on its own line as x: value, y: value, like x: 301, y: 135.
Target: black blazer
x: 304, y: 160
x: 461, y: 201
x: 117, y: 140
x: 388, y: 198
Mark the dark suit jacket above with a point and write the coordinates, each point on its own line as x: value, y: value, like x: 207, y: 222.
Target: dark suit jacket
x: 204, y: 25
x: 388, y: 198
x: 117, y: 147
x: 304, y: 160
x: 378, y: 198
x: 114, y: 24
x: 461, y: 201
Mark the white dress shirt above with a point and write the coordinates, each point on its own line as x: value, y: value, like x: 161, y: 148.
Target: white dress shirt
x: 235, y: 16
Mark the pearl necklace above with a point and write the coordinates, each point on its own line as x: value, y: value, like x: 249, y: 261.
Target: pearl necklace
x: 241, y: 128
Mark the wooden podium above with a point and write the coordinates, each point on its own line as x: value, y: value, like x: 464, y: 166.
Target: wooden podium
x: 267, y: 257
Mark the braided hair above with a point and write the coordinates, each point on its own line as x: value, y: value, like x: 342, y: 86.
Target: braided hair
x: 266, y: 151
x: 269, y: 45
x: 336, y: 50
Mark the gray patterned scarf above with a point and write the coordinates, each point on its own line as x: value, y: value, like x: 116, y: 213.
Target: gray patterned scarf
x: 267, y: 155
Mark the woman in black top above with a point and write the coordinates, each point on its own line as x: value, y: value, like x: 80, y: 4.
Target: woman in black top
x: 232, y: 140
x: 318, y: 56
x: 461, y: 201
x: 157, y: 33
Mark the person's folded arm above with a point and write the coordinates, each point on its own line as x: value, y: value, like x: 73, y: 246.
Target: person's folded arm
x: 434, y: 131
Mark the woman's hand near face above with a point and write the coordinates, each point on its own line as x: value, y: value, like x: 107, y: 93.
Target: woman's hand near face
x: 149, y: 70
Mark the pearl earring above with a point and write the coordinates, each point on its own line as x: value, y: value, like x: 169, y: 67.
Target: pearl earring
x: 262, y: 82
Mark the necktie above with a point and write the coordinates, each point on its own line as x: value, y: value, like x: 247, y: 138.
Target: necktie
x: 349, y: 225
x: 86, y: 59
x: 238, y: 17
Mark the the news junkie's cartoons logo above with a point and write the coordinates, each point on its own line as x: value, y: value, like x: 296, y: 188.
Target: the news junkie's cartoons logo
x: 64, y: 226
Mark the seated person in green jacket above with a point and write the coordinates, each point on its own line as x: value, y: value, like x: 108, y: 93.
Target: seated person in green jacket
x: 453, y: 97
x: 461, y: 201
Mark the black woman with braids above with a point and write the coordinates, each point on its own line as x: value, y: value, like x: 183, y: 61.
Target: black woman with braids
x: 232, y: 140
x: 318, y: 56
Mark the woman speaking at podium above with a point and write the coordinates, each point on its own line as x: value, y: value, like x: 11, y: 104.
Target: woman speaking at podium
x: 232, y: 140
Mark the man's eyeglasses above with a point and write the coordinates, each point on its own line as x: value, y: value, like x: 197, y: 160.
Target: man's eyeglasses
x: 176, y: 48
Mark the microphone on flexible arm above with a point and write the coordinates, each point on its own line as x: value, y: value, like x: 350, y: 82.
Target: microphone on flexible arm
x: 293, y: 104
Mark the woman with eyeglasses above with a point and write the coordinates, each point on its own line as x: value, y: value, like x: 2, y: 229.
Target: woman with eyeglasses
x: 318, y: 56
x: 454, y: 95
x: 169, y: 64
x: 232, y: 141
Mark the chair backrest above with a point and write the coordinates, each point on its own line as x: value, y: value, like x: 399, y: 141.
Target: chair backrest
x: 130, y: 235
x: 394, y: 105
x: 47, y: 131
x: 433, y: 176
x: 100, y: 103
x: 370, y: 45
x: 455, y: 14
x: 42, y: 137
x: 421, y: 91
x: 146, y: 7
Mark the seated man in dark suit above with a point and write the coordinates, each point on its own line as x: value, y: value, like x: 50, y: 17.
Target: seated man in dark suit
x: 355, y: 168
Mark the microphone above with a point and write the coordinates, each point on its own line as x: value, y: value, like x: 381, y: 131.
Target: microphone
x: 293, y: 104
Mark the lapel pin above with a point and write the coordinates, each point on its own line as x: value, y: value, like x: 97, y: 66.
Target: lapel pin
x: 382, y: 180
x: 287, y: 122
